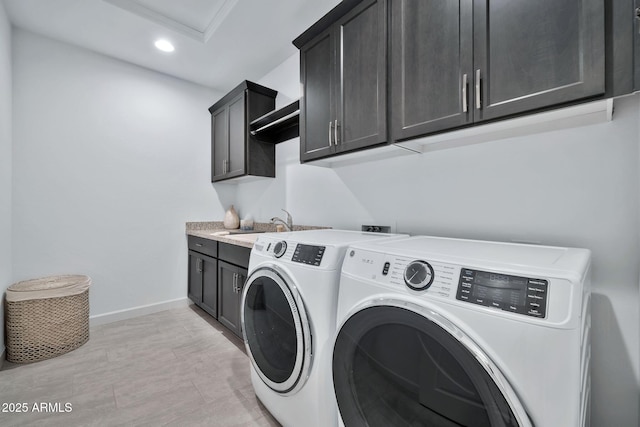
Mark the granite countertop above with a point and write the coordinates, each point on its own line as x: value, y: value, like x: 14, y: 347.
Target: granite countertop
x: 214, y: 230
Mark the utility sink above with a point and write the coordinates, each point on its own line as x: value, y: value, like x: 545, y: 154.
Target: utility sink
x: 251, y: 237
x: 248, y: 236
x: 235, y: 232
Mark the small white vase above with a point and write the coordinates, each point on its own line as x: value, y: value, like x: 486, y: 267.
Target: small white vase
x: 231, y: 219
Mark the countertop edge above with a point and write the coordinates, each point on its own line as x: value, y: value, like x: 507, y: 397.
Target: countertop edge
x: 205, y: 229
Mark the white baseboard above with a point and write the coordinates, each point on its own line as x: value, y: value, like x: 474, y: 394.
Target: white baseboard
x: 114, y: 316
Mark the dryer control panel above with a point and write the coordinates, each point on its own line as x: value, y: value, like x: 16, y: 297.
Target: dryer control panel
x: 515, y: 294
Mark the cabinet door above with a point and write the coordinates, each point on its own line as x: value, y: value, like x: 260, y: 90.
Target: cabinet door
x: 362, y: 76
x: 317, y: 74
x: 237, y: 137
x: 431, y: 66
x: 534, y: 54
x: 210, y: 286
x: 219, y: 143
x: 229, y: 294
x: 194, y: 281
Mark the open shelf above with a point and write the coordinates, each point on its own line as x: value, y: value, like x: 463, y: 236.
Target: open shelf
x: 278, y: 125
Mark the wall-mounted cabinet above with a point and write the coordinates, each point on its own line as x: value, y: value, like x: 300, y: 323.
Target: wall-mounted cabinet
x: 235, y: 152
x: 460, y: 62
x: 343, y: 66
x: 455, y: 64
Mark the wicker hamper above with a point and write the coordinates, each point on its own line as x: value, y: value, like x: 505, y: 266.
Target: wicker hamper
x: 46, y: 317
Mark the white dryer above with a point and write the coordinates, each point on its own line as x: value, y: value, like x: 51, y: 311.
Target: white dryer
x: 288, y: 321
x: 448, y: 332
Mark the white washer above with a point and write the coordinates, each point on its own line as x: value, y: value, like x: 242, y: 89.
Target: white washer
x: 449, y: 332
x: 288, y: 321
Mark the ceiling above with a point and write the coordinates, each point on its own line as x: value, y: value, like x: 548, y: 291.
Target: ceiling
x: 218, y: 43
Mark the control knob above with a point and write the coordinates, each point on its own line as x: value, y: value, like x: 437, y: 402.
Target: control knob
x: 279, y: 249
x: 418, y: 275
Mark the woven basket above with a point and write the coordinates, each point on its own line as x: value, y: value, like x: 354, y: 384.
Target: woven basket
x: 40, y: 327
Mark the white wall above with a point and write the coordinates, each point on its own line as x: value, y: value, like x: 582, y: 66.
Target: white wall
x: 110, y: 161
x: 5, y: 162
x: 577, y: 187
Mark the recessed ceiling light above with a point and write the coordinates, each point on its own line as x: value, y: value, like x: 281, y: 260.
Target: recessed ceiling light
x: 164, y: 45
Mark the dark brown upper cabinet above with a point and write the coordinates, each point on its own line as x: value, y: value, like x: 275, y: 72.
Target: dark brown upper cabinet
x: 431, y: 50
x: 455, y: 63
x: 235, y: 152
x: 343, y: 70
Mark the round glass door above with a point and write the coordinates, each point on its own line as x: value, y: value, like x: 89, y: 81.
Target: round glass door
x: 276, y: 330
x: 395, y: 366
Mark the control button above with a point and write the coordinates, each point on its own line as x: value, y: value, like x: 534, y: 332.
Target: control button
x: 418, y: 275
x: 385, y: 269
x: 279, y: 249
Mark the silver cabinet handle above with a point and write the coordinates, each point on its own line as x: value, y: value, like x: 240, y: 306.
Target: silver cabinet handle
x: 329, y: 134
x: 335, y: 132
x: 464, y: 93
x: 478, y: 94
x: 199, y: 265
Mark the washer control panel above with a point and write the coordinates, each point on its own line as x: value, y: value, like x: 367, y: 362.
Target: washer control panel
x: 515, y: 294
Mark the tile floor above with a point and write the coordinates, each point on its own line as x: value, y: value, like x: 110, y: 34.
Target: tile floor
x: 174, y: 368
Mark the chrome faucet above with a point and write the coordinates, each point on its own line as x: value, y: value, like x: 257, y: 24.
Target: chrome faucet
x: 288, y: 224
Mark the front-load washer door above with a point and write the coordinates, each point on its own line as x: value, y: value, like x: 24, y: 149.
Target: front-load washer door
x: 276, y: 330
x: 399, y: 364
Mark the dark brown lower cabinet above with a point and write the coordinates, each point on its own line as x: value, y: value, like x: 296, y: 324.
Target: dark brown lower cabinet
x: 203, y: 282
x: 203, y: 274
x: 217, y: 272
x: 231, y: 280
x: 210, y: 285
x: 194, y: 283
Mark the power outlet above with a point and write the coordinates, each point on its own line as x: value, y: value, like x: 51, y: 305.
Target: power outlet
x: 376, y: 228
